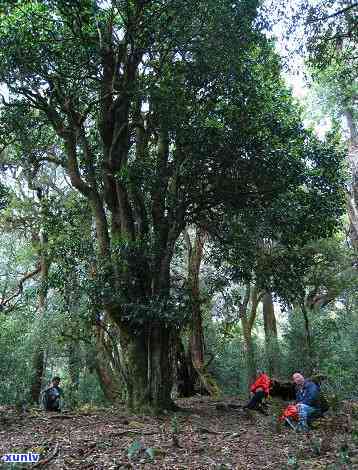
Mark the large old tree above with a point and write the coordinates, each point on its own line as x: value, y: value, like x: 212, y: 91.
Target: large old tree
x: 161, y: 113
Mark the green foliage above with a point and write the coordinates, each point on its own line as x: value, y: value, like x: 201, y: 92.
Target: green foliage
x: 292, y: 463
x: 334, y: 347
x: 229, y: 365
x: 137, y: 448
x: 15, y: 351
x: 174, y: 424
x: 161, y: 114
x: 243, y: 148
x: 152, y: 452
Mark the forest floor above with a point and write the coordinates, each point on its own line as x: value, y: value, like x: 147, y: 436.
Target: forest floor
x: 201, y: 436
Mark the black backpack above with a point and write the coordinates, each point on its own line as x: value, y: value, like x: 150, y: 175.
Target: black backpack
x: 49, y: 399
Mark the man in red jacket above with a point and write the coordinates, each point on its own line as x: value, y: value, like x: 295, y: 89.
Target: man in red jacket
x: 260, y: 390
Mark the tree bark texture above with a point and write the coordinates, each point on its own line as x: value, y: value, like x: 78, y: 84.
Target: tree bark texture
x: 353, y: 193
x: 248, y: 316
x: 186, y: 374
x: 40, y: 244
x: 271, y: 341
x: 195, y: 256
x: 311, y: 360
x: 108, y: 377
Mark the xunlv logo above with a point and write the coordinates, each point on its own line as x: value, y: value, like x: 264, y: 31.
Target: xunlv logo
x: 20, y: 457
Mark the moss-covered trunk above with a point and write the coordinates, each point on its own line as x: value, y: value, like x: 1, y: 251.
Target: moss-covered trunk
x: 107, y: 365
x: 108, y: 379
x: 148, y: 369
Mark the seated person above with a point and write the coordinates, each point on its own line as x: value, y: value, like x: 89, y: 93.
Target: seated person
x: 307, y: 399
x: 52, y: 394
x: 260, y: 390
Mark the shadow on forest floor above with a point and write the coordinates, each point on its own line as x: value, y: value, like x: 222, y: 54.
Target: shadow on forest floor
x: 201, y: 436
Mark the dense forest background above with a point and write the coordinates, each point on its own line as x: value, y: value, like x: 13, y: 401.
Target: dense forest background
x: 171, y: 215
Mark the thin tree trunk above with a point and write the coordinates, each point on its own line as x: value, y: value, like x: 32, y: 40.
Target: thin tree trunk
x: 195, y: 255
x: 38, y: 370
x: 108, y: 379
x: 251, y: 364
x: 353, y: 193
x: 39, y: 352
x: 186, y: 373
x: 74, y: 365
x: 107, y: 364
x: 253, y: 297
x: 309, y: 343
x: 271, y: 340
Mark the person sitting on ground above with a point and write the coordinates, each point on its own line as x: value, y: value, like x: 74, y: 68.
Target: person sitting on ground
x: 260, y: 390
x: 52, y: 395
x: 307, y: 400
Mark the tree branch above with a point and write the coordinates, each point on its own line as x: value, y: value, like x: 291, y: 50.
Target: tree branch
x: 337, y: 13
x: 20, y: 287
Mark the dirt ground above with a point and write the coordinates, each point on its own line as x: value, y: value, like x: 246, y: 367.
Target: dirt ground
x: 204, y: 435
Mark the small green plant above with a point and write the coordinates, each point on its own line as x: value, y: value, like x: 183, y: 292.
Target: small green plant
x: 175, y: 431
x: 344, y: 458
x: 355, y: 435
x: 135, y: 449
x: 174, y: 425
x: 355, y: 411
x: 292, y: 463
x: 152, y: 452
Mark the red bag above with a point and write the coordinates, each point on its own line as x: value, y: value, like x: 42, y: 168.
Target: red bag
x: 291, y: 411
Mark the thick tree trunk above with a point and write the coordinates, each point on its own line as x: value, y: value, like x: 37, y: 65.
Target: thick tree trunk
x: 144, y: 363
x: 133, y: 258
x: 271, y: 340
x: 159, y: 368
x: 195, y: 255
x: 148, y: 368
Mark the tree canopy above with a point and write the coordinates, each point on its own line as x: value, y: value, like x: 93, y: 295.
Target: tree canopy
x: 159, y: 114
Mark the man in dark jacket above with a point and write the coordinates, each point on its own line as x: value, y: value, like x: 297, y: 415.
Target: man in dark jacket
x: 307, y: 399
x: 52, y: 394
